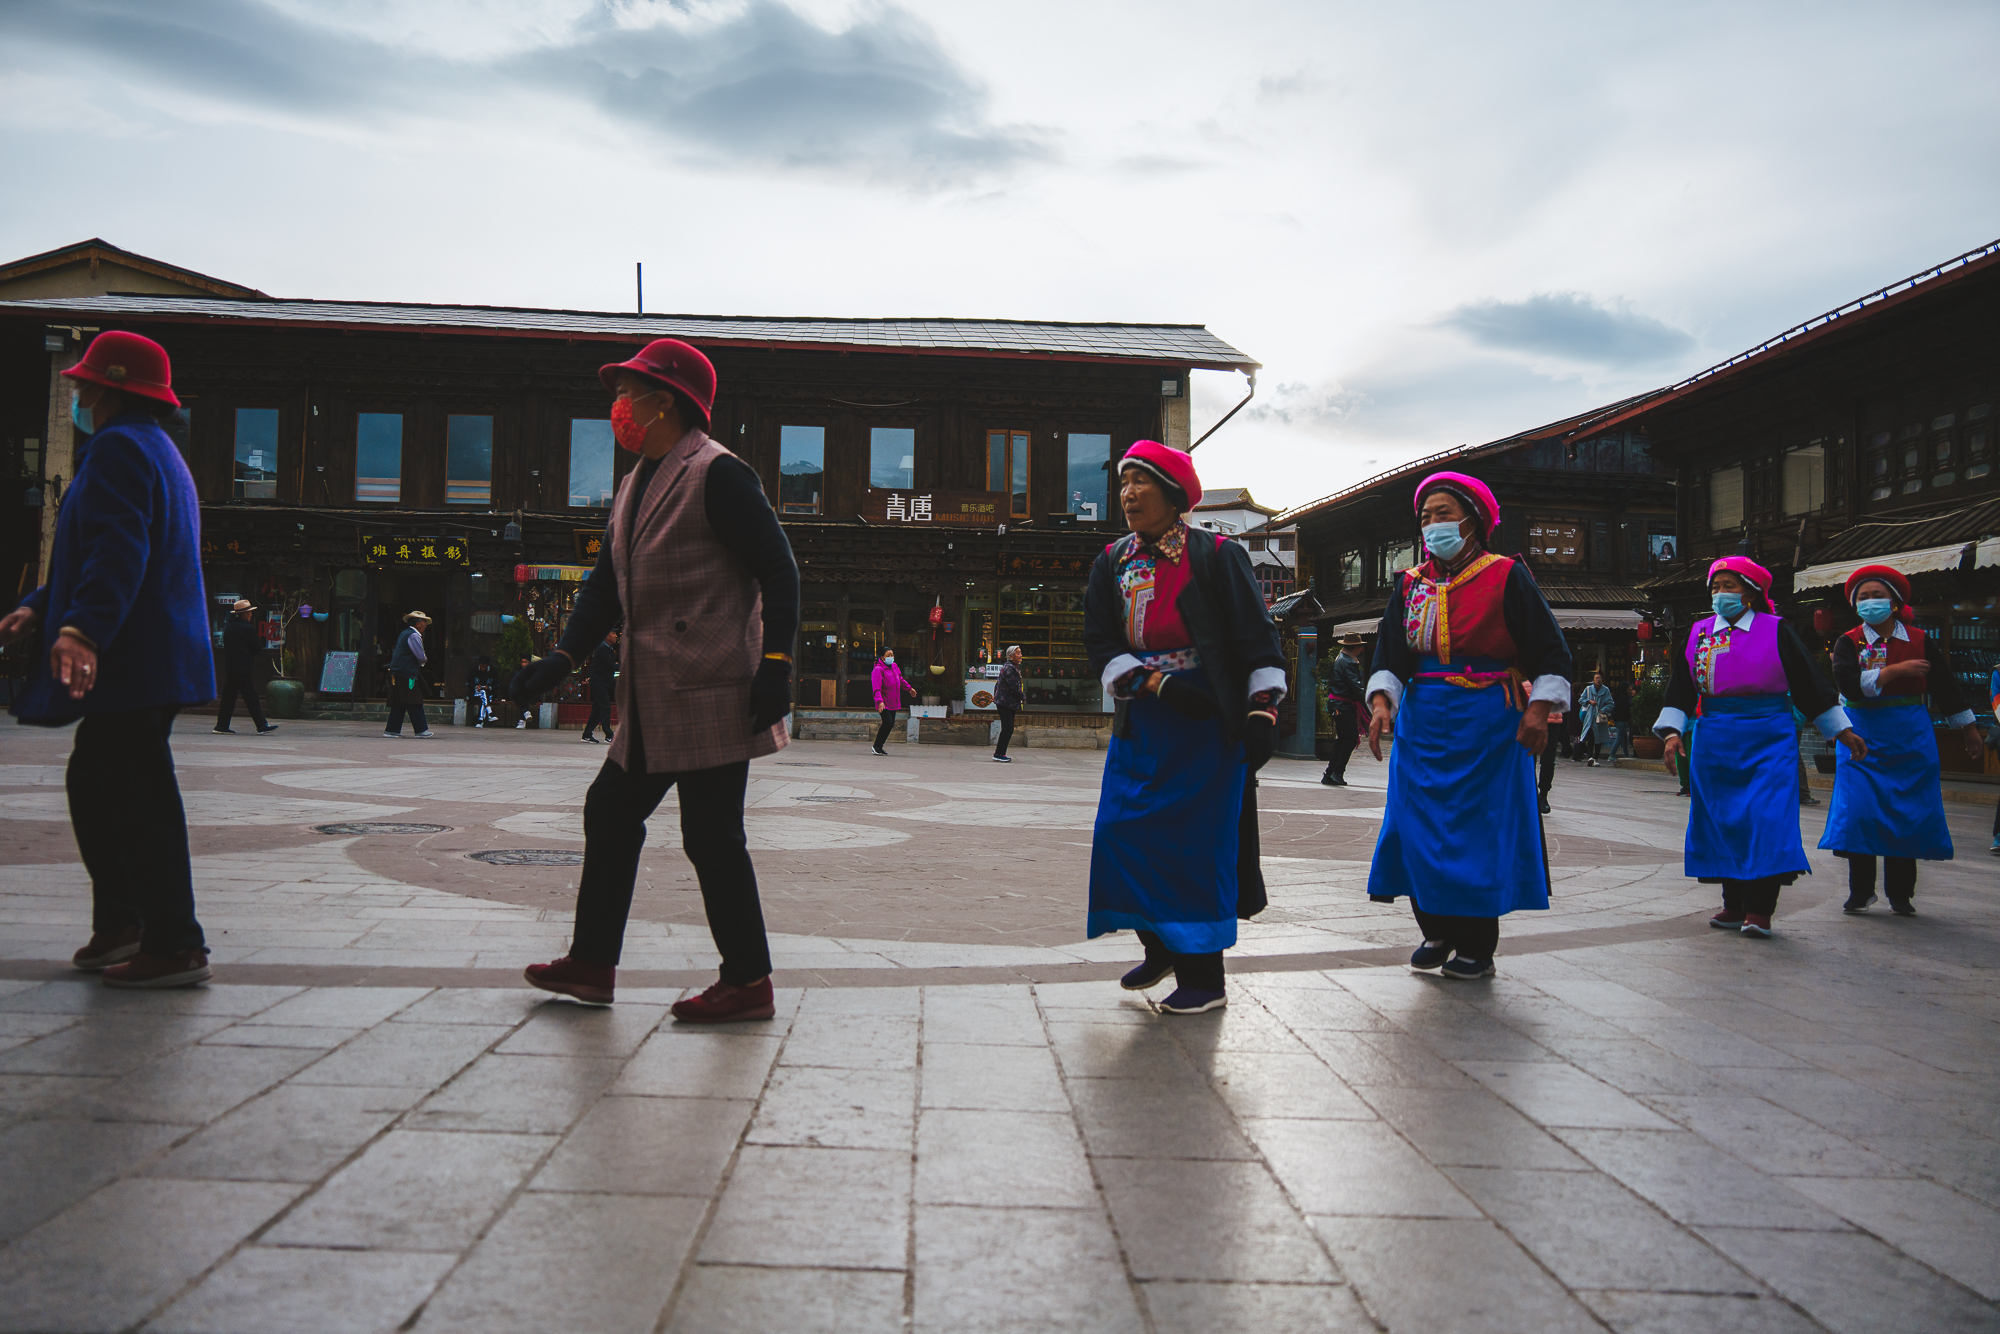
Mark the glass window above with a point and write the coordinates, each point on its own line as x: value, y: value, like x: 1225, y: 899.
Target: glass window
x: 1944, y: 479
x: 892, y: 457
x: 1397, y: 556
x: 256, y: 454
x: 1350, y: 570
x: 1089, y: 475
x: 1805, y: 480
x: 378, y: 457
x: 1286, y: 542
x: 590, y: 455
x: 1725, y: 499
x: 1254, y: 543
x: 1914, y: 485
x: 1911, y: 458
x: 801, y: 468
x: 1007, y: 468
x: 468, y: 461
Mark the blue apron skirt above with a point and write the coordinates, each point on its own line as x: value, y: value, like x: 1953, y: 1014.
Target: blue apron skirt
x: 1889, y: 805
x: 1743, y: 817
x: 1163, y: 855
x: 1462, y: 834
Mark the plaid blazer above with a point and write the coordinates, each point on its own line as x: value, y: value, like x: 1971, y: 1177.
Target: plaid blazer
x: 694, y: 627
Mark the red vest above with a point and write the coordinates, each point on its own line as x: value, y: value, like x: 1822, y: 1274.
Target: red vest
x: 1463, y: 618
x: 1899, y: 650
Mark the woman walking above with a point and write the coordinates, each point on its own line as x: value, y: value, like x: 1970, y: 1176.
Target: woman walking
x: 1468, y: 665
x: 1177, y: 630
x: 1735, y: 671
x: 889, y: 684
x: 1596, y: 705
x: 1889, y: 804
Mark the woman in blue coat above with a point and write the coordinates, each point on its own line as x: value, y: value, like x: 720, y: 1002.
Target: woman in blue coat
x: 126, y: 626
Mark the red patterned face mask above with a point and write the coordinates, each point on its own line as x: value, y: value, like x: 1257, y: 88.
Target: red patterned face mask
x: 627, y: 430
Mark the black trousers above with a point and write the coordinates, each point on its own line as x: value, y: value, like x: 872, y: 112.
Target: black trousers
x: 1006, y: 730
x: 888, y: 726
x: 1203, y: 972
x: 1902, y: 876
x: 405, y: 699
x: 125, y: 807
x: 1758, y: 897
x: 1547, y: 769
x: 614, y: 831
x: 600, y: 712
x: 1473, y: 937
x: 1346, y: 736
x: 234, y: 684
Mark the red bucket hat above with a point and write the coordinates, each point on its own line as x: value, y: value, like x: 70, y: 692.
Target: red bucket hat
x: 674, y: 364
x: 1898, y: 582
x: 1172, y: 466
x: 130, y: 363
x: 1469, y: 490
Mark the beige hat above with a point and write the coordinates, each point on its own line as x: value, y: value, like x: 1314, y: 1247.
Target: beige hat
x: 243, y: 604
x: 416, y: 616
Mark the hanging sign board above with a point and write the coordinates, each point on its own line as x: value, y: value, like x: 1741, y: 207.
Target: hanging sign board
x: 934, y: 509
x: 336, y: 677
x: 432, y: 551
x: 589, y: 544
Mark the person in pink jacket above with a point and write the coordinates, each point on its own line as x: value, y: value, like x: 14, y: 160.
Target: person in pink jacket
x: 889, y: 687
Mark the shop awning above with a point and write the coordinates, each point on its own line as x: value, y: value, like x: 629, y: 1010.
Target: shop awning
x: 1569, y: 618
x: 552, y: 574
x: 1924, y: 560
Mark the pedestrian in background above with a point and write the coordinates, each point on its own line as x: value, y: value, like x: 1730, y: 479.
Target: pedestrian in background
x: 1344, y: 685
x: 482, y: 685
x: 1546, y: 778
x: 603, y: 679
x: 1596, y: 706
x: 1007, y: 698
x: 406, y: 682
x: 1621, y: 721
x: 242, y: 649
x: 889, y: 685
x: 125, y: 624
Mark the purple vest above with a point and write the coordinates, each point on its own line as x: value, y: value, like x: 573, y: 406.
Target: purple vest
x: 1739, y: 660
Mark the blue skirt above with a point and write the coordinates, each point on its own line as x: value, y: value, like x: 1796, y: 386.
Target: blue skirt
x: 1743, y: 817
x: 1163, y: 855
x: 1889, y: 805
x: 1462, y: 834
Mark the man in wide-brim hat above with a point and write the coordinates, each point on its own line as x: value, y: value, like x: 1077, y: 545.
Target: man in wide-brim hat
x: 241, y: 648
x: 1344, y: 683
x: 406, y: 682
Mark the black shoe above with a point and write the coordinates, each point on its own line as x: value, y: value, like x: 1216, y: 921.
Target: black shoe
x: 591, y: 739
x: 1429, y: 956
x: 1148, y: 974
x: 223, y: 731
x: 266, y: 731
x: 1857, y: 902
x: 1903, y: 907
x: 1682, y: 793
x: 1464, y: 969
x: 1186, y: 1000
x: 1544, y: 803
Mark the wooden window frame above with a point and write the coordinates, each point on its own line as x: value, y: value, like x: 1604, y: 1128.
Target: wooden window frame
x: 1026, y: 471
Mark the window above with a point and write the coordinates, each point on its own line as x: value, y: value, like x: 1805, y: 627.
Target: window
x: 1725, y: 499
x: 468, y: 461
x: 1805, y: 480
x: 1975, y: 450
x: 1254, y: 543
x: 1397, y: 556
x: 892, y: 458
x: 378, y: 457
x: 801, y: 468
x: 1348, y: 563
x: 1089, y: 481
x: 256, y: 454
x: 1007, y: 468
x: 590, y: 455
x: 1286, y: 542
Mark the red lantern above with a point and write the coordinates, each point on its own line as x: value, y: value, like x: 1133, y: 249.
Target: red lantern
x: 1645, y: 631
x: 937, y: 615
x: 1822, y: 621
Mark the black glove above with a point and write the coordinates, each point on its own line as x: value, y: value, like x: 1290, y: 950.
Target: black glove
x: 1260, y: 738
x: 1186, y: 700
x: 770, y: 693
x: 539, y: 677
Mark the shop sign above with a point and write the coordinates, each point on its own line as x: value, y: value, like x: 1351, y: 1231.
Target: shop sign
x: 212, y: 547
x: 589, y: 544
x: 1555, y: 543
x: 436, y: 551
x: 948, y: 509
x: 1077, y: 567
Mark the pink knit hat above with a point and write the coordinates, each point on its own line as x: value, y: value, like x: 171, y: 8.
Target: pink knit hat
x: 1469, y: 490
x: 1172, y: 466
x: 1750, y: 572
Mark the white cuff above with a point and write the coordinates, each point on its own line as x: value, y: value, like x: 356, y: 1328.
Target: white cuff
x: 1267, y: 678
x: 1871, y: 682
x: 1670, y: 720
x: 1116, y: 668
x: 1963, y: 718
x: 1554, y: 689
x: 1384, y: 683
x: 1832, y: 723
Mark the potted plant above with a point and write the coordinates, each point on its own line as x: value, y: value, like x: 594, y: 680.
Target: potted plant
x: 285, y: 694
x: 1647, y: 701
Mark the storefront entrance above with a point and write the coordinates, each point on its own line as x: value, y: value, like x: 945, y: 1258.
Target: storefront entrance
x: 398, y: 593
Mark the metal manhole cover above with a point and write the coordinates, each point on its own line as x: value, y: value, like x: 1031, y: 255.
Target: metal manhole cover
x: 803, y: 764
x: 529, y: 857
x: 365, y: 827
x: 830, y: 799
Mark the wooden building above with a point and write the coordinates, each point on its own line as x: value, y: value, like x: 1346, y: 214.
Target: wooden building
x: 366, y: 459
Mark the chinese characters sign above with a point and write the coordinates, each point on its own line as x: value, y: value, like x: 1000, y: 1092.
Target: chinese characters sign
x: 950, y: 509
x: 589, y: 544
x: 416, y: 551
x: 214, y: 547
x: 1073, y: 567
x: 1555, y: 543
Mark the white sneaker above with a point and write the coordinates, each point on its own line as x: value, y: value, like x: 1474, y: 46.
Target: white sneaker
x: 1003, y: 759
x: 521, y: 726
x: 393, y: 736
x: 425, y: 736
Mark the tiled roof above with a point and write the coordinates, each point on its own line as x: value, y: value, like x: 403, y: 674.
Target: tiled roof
x: 1891, y: 535
x: 1166, y: 344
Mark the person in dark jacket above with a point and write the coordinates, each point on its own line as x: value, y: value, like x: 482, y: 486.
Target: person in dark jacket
x: 603, y: 679
x: 406, y: 682
x: 1007, y: 698
x: 241, y: 648
x: 1343, y: 681
x: 125, y: 623
x: 482, y: 684
x: 1177, y: 631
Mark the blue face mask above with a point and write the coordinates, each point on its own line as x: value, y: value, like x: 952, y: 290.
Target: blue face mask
x: 1728, y: 606
x: 1875, y: 610
x: 80, y: 416
x: 1443, y: 540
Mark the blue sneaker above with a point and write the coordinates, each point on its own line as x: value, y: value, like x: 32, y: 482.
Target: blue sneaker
x: 1148, y: 974
x: 1430, y: 956
x: 1186, y: 1000
x: 1464, y: 970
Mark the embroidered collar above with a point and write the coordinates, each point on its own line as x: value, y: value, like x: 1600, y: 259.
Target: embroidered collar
x: 1876, y: 636
x: 1172, y: 545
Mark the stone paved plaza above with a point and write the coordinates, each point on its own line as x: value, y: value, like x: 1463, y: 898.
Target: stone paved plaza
x: 958, y: 1121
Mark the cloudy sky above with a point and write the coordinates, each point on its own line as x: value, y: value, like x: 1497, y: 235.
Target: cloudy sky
x: 1433, y: 223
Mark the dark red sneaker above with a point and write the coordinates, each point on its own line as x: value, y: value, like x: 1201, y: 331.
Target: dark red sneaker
x: 723, y: 1004
x: 156, y: 972
x: 591, y: 983
x: 106, y: 949
x: 1756, y: 926
x: 1727, y: 920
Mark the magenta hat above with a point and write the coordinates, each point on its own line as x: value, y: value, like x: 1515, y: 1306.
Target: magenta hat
x: 1173, y: 466
x: 1470, y: 491
x: 1750, y: 572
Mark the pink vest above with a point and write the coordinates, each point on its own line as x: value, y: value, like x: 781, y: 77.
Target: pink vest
x: 1738, y: 661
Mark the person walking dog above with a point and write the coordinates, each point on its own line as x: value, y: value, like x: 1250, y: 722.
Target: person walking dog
x: 125, y: 623
x: 241, y: 649
x: 406, y: 684
x: 695, y: 562
x: 1007, y: 699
